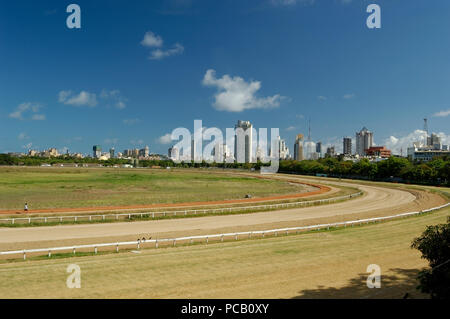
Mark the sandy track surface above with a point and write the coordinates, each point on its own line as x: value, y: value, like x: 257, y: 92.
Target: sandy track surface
x: 378, y: 201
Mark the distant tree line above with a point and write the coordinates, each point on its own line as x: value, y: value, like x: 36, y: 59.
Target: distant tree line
x: 435, y: 172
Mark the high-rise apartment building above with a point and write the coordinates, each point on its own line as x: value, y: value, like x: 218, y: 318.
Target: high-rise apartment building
x: 331, y: 151
x: 347, y: 149
x: 243, y: 142
x: 364, y: 141
x: 220, y: 152
x: 319, y: 148
x: 97, y: 151
x: 283, y: 150
x: 173, y: 153
x: 298, y: 148
x: 144, y: 152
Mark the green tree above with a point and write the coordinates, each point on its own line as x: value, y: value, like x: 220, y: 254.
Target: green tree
x: 434, y: 244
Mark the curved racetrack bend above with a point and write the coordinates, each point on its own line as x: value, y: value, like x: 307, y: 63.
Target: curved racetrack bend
x: 377, y: 201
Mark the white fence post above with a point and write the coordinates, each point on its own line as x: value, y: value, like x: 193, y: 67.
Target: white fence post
x: 287, y: 230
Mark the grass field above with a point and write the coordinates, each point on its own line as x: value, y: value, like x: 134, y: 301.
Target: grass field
x: 315, y: 265
x: 81, y: 187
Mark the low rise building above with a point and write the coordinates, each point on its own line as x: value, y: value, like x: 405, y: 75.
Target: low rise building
x: 378, y: 151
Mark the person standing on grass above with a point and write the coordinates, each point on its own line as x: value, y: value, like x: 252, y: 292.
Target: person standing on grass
x: 26, y: 207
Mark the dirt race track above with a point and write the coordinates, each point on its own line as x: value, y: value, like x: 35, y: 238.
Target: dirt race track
x: 377, y: 201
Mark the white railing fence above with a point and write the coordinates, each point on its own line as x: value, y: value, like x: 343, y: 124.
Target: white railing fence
x: 206, y: 238
x: 104, y: 217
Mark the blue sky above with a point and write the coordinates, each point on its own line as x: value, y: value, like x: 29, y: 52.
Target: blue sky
x: 276, y: 63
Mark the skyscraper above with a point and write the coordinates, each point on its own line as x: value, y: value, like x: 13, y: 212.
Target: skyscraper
x: 97, y: 151
x: 298, y: 148
x: 330, y: 151
x: 283, y: 150
x: 364, y: 140
x: 319, y: 148
x: 174, y: 154
x: 144, y: 152
x: 111, y: 152
x: 347, y: 150
x: 243, y: 149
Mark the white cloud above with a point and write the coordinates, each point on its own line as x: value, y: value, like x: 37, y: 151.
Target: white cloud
x: 165, y: 139
x: 236, y: 95
x: 84, y: 98
x: 152, y: 40
x: 63, y: 95
x: 397, y: 144
x: 300, y: 116
x: 159, y: 54
x: 63, y: 150
x: 291, y: 128
x: 349, y: 96
x: 22, y: 136
x: 442, y: 113
x: 322, y: 98
x: 121, y: 105
x: 116, y: 97
x: 26, y: 108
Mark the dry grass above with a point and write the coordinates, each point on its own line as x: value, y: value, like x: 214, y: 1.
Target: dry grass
x: 315, y: 265
x: 82, y: 187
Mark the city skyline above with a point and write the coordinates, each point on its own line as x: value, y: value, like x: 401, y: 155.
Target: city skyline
x: 170, y: 62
